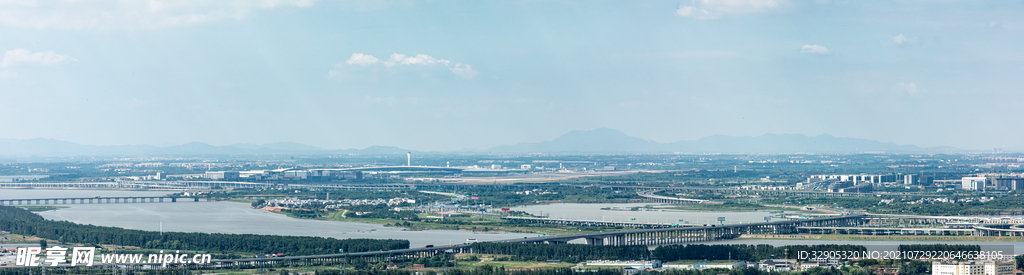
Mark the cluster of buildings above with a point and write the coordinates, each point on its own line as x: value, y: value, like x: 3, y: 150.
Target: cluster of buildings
x: 765, y: 187
x: 331, y: 204
x: 535, y: 192
x: 993, y: 182
x: 850, y: 187
x: 863, y: 183
x: 988, y: 267
x: 939, y: 267
x: 285, y: 174
x: 946, y: 200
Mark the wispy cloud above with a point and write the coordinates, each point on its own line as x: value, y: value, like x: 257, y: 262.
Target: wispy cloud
x: 117, y: 14
x: 362, y: 59
x: 908, y: 88
x: 419, y: 59
x: 463, y: 70
x: 903, y: 40
x: 814, y: 49
x: 711, y: 9
x: 19, y: 56
x: 8, y: 74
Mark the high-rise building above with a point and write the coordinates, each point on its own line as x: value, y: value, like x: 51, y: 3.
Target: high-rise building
x: 973, y: 183
x: 1006, y: 183
x: 910, y: 179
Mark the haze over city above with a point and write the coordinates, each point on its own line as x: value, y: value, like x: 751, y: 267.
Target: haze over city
x: 475, y: 75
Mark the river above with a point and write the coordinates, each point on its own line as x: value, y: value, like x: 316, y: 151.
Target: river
x: 228, y: 217
x: 656, y: 215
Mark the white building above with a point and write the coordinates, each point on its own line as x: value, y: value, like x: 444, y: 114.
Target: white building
x: 910, y: 179
x: 633, y: 264
x: 973, y: 183
x: 221, y: 175
x: 992, y: 267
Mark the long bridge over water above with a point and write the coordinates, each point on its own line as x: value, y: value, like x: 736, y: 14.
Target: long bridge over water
x: 648, y: 237
x: 52, y: 201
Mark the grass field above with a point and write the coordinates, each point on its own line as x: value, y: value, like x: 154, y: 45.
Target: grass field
x: 486, y: 225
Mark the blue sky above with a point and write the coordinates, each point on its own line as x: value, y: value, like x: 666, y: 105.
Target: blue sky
x: 448, y: 75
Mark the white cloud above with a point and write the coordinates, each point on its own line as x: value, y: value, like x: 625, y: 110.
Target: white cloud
x: 362, y: 59
x: 687, y: 11
x: 907, y: 88
x: 8, y: 74
x: 464, y: 70
x: 397, y: 59
x: 22, y: 56
x: 814, y: 49
x: 711, y: 9
x: 119, y: 14
x: 419, y: 59
x: 903, y: 40
x: 994, y: 24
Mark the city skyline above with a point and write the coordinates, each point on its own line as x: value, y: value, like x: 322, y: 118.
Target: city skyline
x: 466, y: 75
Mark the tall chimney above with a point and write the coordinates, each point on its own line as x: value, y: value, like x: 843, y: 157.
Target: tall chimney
x: 408, y: 161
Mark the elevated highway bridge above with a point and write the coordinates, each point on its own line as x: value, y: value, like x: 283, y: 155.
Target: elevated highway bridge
x: 95, y: 200
x: 649, y: 237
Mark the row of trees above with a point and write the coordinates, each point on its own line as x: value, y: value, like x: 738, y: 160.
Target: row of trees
x: 939, y: 247
x: 744, y: 252
x: 564, y: 252
x: 478, y: 270
x: 24, y: 222
x: 997, y: 206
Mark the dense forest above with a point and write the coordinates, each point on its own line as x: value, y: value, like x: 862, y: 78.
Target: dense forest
x: 21, y: 221
x: 572, y: 253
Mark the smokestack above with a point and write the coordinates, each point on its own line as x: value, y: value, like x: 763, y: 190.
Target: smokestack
x: 408, y: 161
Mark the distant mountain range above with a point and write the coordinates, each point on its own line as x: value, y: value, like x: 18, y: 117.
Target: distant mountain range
x: 604, y: 140
x: 598, y: 141
x: 50, y: 147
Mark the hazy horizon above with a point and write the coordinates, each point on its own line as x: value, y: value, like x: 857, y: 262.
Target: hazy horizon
x: 604, y: 137
x: 445, y: 76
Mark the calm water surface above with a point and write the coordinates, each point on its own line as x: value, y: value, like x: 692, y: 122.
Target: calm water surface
x: 594, y: 212
x: 227, y: 217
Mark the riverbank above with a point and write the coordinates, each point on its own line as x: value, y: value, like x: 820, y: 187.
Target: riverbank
x: 477, y: 225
